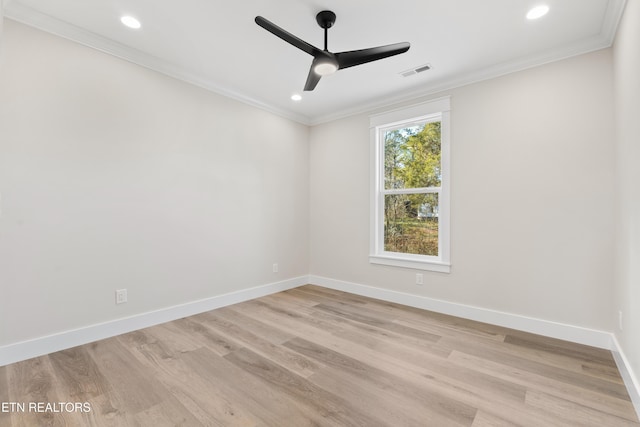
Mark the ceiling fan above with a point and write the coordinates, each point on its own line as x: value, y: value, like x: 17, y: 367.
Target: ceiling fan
x: 325, y: 62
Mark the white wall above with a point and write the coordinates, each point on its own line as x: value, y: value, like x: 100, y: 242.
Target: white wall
x: 114, y: 176
x: 532, y: 172
x: 1, y: 21
x: 626, y: 57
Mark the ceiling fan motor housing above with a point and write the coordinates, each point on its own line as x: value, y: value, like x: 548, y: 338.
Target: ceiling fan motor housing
x: 326, y: 19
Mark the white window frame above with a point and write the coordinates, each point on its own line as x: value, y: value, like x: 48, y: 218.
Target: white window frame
x: 378, y: 125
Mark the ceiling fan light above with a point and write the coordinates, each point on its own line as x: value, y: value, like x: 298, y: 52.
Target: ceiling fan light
x: 325, y: 68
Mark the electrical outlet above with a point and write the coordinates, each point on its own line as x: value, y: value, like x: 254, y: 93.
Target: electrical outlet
x: 121, y: 296
x: 419, y: 279
x: 275, y: 268
x: 620, y: 319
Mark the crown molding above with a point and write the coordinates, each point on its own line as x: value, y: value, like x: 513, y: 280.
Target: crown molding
x: 615, y: 9
x: 28, y: 16
x: 579, y: 48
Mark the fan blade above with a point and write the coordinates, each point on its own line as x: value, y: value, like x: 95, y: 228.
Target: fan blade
x: 357, y: 57
x: 286, y: 36
x: 313, y: 78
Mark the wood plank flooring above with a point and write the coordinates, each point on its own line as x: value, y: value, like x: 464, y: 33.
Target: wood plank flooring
x: 318, y: 357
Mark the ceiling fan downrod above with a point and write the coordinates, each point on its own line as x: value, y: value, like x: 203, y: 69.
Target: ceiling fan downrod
x: 326, y: 19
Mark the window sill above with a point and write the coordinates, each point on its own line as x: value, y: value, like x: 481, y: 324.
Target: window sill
x: 418, y: 264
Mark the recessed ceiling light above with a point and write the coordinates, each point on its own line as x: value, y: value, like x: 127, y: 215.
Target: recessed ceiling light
x: 538, y: 12
x: 296, y: 97
x: 130, y: 22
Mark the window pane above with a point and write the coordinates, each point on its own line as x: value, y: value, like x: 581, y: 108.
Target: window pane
x: 411, y: 223
x: 412, y: 157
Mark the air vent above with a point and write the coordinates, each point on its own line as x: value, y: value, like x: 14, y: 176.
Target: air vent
x: 416, y: 70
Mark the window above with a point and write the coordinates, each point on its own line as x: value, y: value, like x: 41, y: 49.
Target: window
x: 410, y: 187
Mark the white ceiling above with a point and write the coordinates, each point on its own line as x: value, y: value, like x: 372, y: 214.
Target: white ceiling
x: 217, y: 45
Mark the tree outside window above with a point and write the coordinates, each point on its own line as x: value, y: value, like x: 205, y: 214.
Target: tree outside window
x: 410, y: 186
x: 412, y: 162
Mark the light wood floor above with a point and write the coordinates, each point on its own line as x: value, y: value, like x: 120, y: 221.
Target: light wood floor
x: 318, y: 357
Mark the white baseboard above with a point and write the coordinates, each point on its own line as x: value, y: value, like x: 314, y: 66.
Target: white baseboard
x: 547, y: 328
x: 592, y: 337
x: 32, y: 348
x: 37, y: 347
x: 630, y: 379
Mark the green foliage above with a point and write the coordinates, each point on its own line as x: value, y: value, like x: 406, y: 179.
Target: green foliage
x: 412, y: 236
x: 412, y: 157
x: 412, y: 160
x: 411, y: 223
